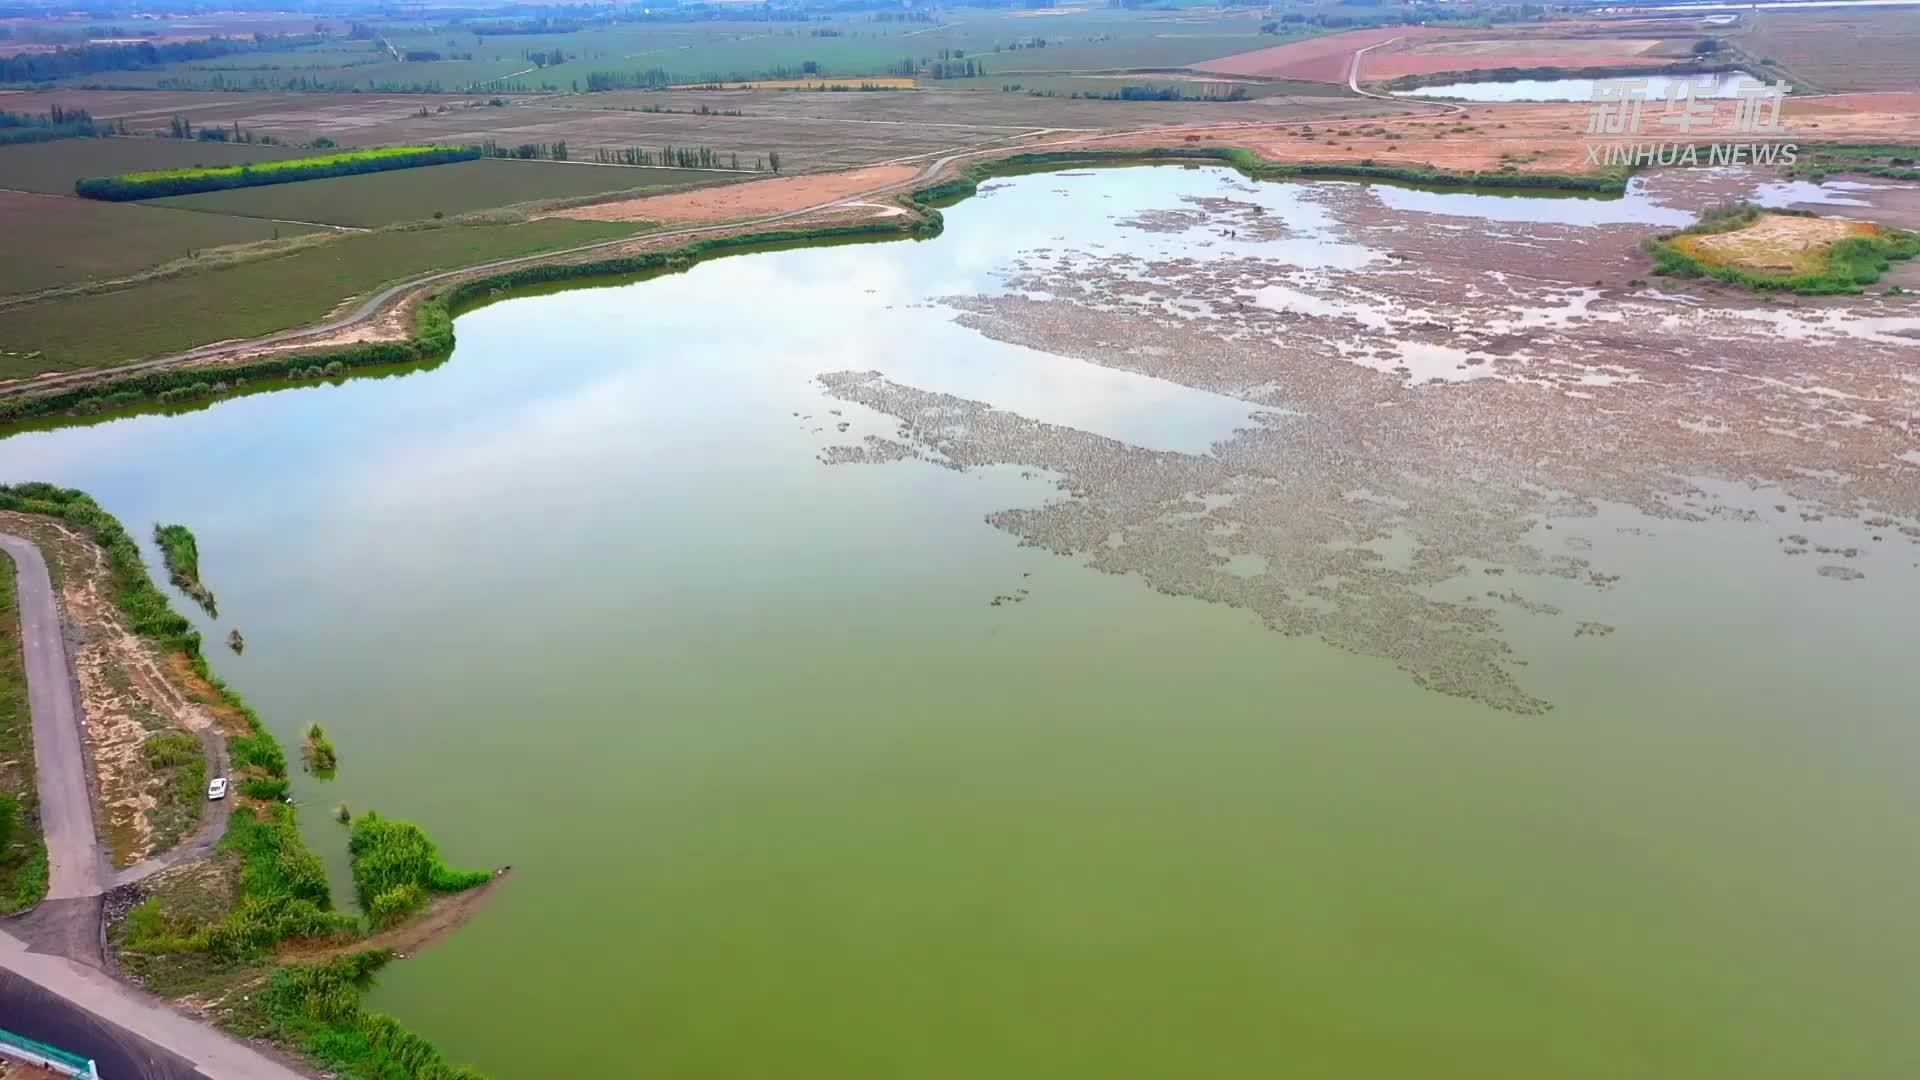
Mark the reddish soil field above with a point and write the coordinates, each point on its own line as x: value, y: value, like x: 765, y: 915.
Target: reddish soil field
x: 1396, y: 60
x: 1321, y: 59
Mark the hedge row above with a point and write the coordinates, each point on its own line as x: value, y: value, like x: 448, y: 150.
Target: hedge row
x: 130, y: 186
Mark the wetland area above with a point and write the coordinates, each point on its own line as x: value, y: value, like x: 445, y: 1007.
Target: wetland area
x: 1166, y: 625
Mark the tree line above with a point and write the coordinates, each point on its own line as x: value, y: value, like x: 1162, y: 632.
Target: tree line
x: 187, y: 182
x: 88, y: 59
x: 55, y: 123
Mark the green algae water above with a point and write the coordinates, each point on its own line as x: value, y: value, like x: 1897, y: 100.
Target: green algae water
x: 807, y: 769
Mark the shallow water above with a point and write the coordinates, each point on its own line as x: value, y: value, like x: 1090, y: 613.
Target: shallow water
x: 1723, y: 85
x: 808, y: 770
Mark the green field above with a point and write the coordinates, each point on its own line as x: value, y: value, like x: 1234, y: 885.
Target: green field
x: 52, y: 167
x: 846, y: 44
x: 375, y: 199
x: 56, y: 241
x: 259, y: 297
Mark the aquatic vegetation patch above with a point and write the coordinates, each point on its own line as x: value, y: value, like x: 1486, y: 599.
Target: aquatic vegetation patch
x: 396, y: 867
x: 182, y: 556
x: 318, y: 751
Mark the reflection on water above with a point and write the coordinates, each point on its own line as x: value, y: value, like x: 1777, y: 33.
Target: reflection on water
x: 810, y: 770
x: 1722, y: 85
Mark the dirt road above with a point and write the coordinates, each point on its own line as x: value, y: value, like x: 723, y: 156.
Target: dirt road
x: 77, y: 866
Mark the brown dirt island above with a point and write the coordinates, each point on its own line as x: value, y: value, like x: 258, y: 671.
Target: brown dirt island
x: 751, y: 199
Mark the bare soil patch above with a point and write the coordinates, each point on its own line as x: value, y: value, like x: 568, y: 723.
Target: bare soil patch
x: 752, y: 199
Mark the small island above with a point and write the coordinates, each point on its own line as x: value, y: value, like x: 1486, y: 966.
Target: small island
x: 1789, y: 250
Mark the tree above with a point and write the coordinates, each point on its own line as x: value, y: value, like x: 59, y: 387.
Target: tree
x: 773, y: 159
x: 1706, y: 45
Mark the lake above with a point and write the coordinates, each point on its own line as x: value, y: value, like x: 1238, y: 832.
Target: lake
x: 1087, y: 644
x: 1657, y: 87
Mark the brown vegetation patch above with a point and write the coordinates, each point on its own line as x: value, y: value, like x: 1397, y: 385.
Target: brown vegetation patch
x: 753, y: 199
x: 1774, y: 242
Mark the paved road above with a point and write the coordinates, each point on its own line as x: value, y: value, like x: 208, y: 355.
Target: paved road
x: 47, y: 983
x: 117, y: 1053
x: 77, y: 867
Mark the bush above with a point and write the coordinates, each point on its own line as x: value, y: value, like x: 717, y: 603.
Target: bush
x: 264, y: 788
x: 395, y: 866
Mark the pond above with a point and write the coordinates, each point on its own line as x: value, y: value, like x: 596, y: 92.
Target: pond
x: 1178, y: 715
x: 1722, y: 85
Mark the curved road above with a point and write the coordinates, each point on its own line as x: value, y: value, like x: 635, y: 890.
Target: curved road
x: 74, y: 1004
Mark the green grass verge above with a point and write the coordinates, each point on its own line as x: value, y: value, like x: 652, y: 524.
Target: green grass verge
x: 154, y: 183
x: 280, y: 890
x: 23, y: 850
x: 1850, y: 263
x: 182, y: 556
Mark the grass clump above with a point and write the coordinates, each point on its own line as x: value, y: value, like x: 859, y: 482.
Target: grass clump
x: 396, y: 867
x: 318, y: 752
x: 182, y: 555
x: 317, y: 1007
